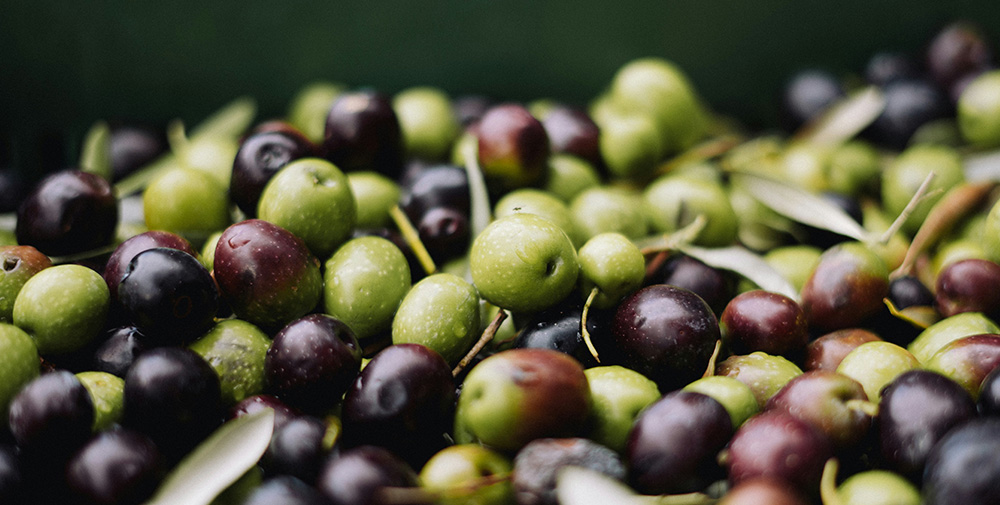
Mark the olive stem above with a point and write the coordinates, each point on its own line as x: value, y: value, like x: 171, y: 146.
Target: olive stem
x: 412, y: 238
x: 583, y: 324
x: 658, y: 260
x: 487, y: 336
x: 865, y: 406
x: 828, y: 483
x: 710, y: 369
x: 956, y: 204
x: 96, y: 154
x: 918, y: 197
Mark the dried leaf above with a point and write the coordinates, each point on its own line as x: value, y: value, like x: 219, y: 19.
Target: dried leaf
x: 846, y: 119
x: 802, y: 206
x: 218, y: 462
x: 920, y: 316
x: 746, y: 263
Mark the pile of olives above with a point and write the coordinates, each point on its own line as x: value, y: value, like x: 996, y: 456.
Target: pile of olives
x: 451, y: 300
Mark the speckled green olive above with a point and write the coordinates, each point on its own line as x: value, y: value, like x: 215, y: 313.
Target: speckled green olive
x: 854, y: 168
x: 374, y: 196
x: 807, y: 165
x: 618, y: 395
x: 18, y: 363
x: 364, y: 283
x: 455, y: 473
x: 606, y: 209
x: 62, y: 307
x: 107, y: 392
x: 657, y: 87
x: 539, y: 203
x: 17, y: 265
x: 903, y: 177
x: 569, y: 176
x: 311, y: 198
x: 630, y: 145
x: 735, y: 396
x: 948, y: 330
x: 614, y: 265
x: 428, y: 123
x: 763, y: 373
x: 876, y: 364
x: 979, y: 111
x: 795, y: 263
x: 523, y: 263
x: 236, y: 350
x: 440, y: 312
x: 672, y: 203
x: 187, y: 202
x: 310, y: 106
x: 878, y: 487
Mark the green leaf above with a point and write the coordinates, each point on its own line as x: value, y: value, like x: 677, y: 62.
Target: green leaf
x: 800, y: 205
x: 96, y: 154
x: 746, y: 263
x: 218, y: 462
x: 582, y: 486
x: 231, y: 121
x: 847, y: 118
x: 479, y: 197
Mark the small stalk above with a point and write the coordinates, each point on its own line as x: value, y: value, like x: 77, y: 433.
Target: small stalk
x: 710, y: 369
x: 828, y: 483
x: 412, y: 238
x: 918, y: 197
x: 583, y: 324
x: 867, y: 407
x: 487, y: 336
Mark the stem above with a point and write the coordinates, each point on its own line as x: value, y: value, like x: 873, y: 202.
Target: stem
x: 412, y: 238
x: 658, y: 260
x: 487, y: 336
x: 583, y: 324
x: 867, y: 407
x: 910, y: 207
x: 828, y: 483
x: 956, y: 204
x: 710, y: 369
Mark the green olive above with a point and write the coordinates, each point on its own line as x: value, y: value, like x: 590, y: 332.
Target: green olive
x: 979, y: 111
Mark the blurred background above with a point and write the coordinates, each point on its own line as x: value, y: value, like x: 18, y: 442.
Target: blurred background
x: 64, y: 65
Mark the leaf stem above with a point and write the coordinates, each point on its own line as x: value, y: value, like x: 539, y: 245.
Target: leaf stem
x: 919, y: 196
x: 412, y: 238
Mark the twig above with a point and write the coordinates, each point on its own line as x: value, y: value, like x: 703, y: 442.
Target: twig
x: 487, y: 336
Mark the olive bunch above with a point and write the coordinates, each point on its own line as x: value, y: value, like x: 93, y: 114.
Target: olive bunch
x: 437, y: 300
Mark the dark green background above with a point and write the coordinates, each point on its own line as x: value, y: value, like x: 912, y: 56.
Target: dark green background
x: 64, y: 65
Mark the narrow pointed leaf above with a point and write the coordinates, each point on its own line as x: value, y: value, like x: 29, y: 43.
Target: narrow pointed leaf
x: 847, y: 118
x: 478, y: 196
x: 218, y: 462
x: 746, y: 263
x: 801, y: 206
x: 96, y: 155
x: 230, y: 121
x: 580, y: 486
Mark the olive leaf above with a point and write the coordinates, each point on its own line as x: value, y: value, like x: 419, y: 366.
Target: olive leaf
x: 582, y: 486
x: 802, y: 206
x: 8, y: 222
x: 746, y: 263
x: 478, y: 196
x: 845, y: 119
x: 231, y: 121
x: 218, y: 461
x: 96, y: 154
x: 920, y: 316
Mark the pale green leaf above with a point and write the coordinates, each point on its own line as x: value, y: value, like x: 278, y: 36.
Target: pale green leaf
x: 479, y: 197
x: 746, y: 263
x: 800, y: 205
x: 582, y: 486
x: 96, y: 154
x: 218, y: 462
x: 847, y: 118
x: 231, y: 121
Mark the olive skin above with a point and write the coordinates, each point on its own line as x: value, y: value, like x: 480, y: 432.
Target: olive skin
x: 962, y: 467
x: 666, y: 333
x: 116, y: 466
x: 846, y: 287
x: 52, y: 415
x: 68, y: 212
x: 363, y: 133
x: 356, y: 476
x: 118, y: 262
x: 173, y: 396
x: 778, y: 446
x: 259, y: 157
